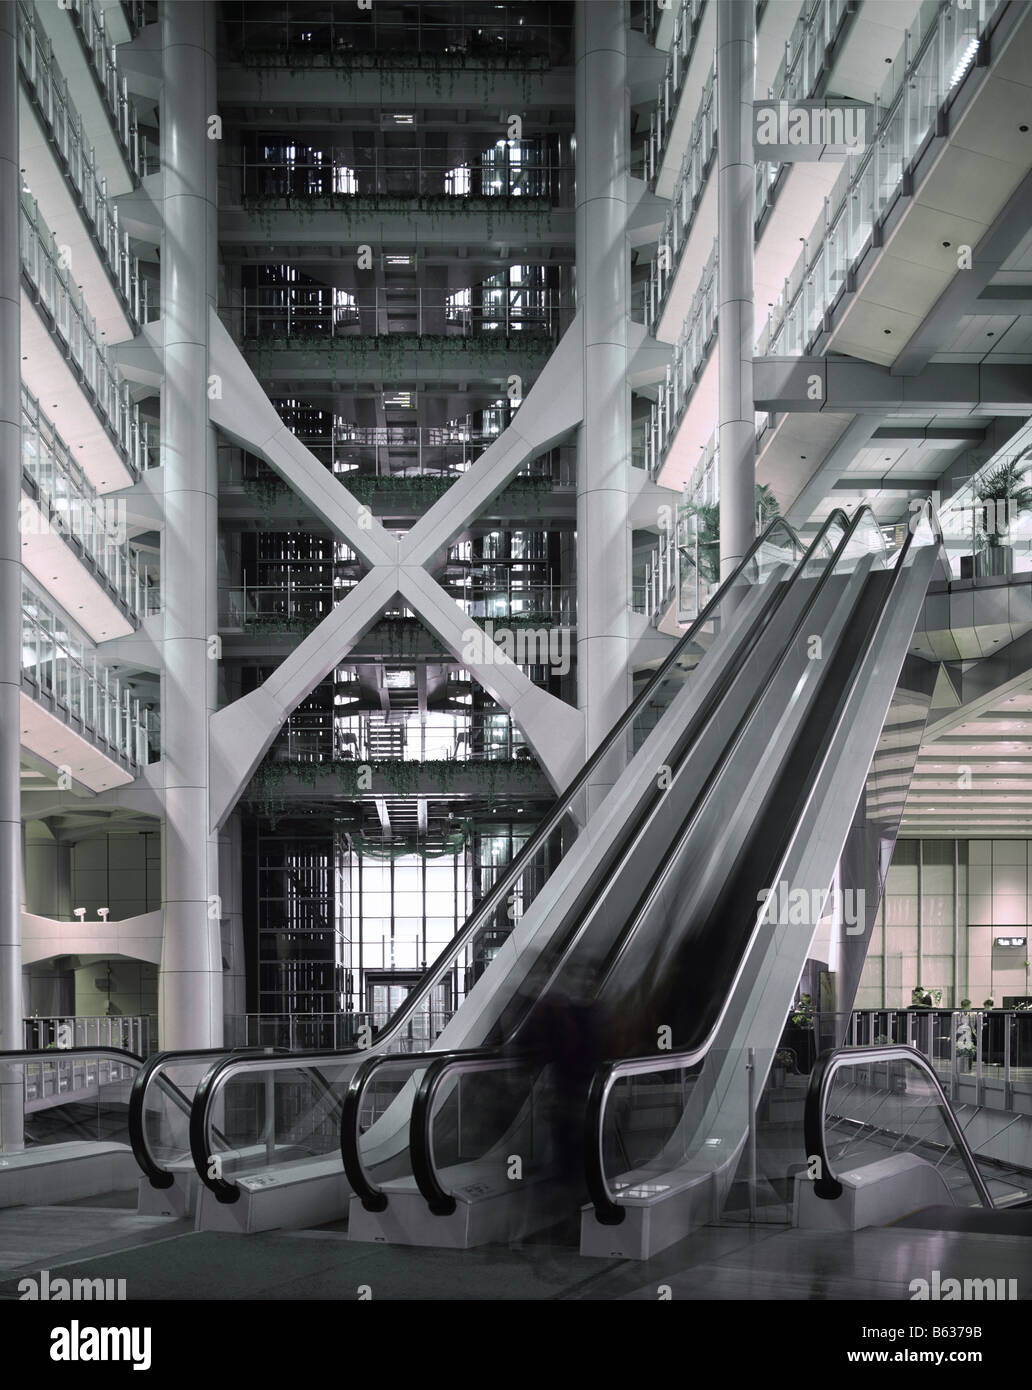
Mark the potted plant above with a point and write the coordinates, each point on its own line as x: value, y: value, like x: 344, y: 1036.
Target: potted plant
x: 801, y: 1031
x: 1005, y: 495
x: 704, y: 529
x: 784, y: 1062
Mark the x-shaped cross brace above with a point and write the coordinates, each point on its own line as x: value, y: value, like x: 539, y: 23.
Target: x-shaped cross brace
x: 241, y: 733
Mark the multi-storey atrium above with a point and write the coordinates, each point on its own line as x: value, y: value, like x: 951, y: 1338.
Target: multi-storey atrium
x: 515, y: 685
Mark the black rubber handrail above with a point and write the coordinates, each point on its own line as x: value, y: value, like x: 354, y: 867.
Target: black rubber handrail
x: 607, y: 1211
x: 420, y: 1145
x: 826, y: 1185
x: 372, y: 1197
x: 200, y: 1119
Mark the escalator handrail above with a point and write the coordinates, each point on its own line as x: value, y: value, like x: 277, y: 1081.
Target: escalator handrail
x: 204, y: 1098
x: 149, y: 1074
x: 420, y: 1144
x: 372, y: 1197
x: 826, y: 1185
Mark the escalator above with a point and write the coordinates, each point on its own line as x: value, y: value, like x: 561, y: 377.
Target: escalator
x: 699, y: 965
x: 886, y: 1148
x: 449, y: 1128
x: 654, y: 917
x: 671, y: 714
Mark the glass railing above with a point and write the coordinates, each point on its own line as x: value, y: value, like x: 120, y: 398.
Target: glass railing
x: 691, y: 352
x: 534, y: 609
x: 806, y: 49
x: 270, y: 608
x: 64, y: 125
x: 296, y: 1032
x: 659, y: 580
x: 684, y: 205
x: 59, y: 668
x: 89, y: 20
x: 651, y: 18
x: 399, y: 174
x: 973, y: 1046
x: 129, y: 1032
x: 937, y: 54
x: 72, y: 1094
x: 68, y: 504
x: 386, y: 460
x: 686, y: 32
x: 807, y: 53
x: 75, y: 326
x: 321, y: 737
x: 383, y: 313
x: 513, y: 35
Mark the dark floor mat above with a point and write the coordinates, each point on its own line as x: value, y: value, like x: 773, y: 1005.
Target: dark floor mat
x: 1016, y: 1221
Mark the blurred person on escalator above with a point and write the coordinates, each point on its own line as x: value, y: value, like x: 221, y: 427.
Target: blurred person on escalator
x: 571, y: 1030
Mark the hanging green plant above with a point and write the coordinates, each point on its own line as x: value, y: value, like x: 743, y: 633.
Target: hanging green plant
x: 269, y: 790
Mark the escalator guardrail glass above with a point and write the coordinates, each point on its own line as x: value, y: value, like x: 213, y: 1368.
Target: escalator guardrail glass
x: 159, y: 1108
x: 883, y: 1106
x: 600, y: 1141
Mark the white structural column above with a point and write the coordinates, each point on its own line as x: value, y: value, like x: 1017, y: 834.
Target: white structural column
x: 11, y: 1135
x: 736, y: 67
x: 603, y: 440
x: 190, y: 981
x: 234, y: 981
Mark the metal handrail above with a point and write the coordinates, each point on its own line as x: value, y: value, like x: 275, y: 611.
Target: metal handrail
x: 826, y: 1185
